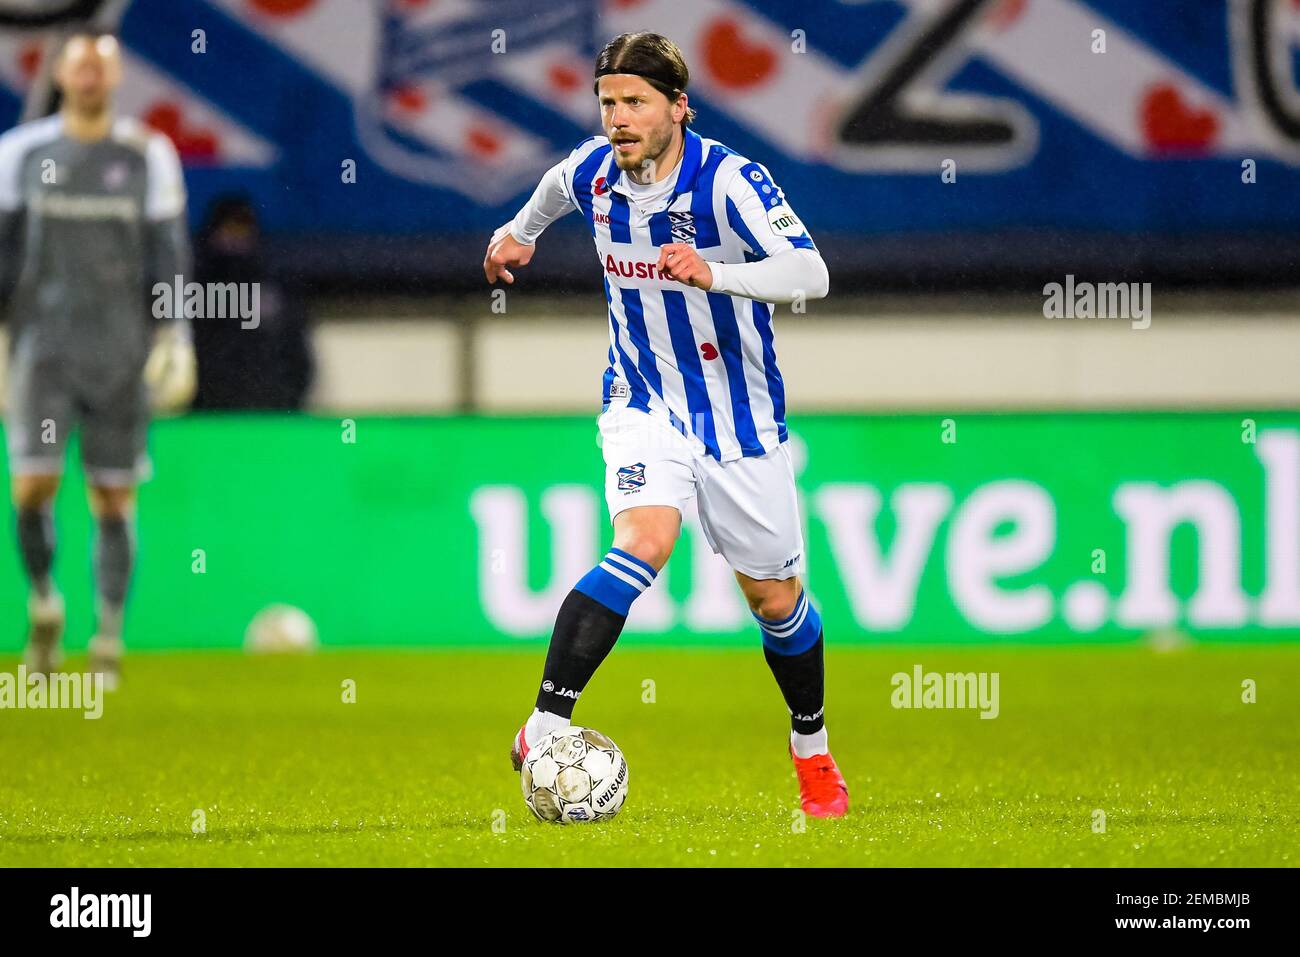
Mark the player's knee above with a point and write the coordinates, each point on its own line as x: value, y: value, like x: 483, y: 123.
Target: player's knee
x: 652, y: 547
x: 112, y: 501
x: 774, y: 601
x: 648, y: 533
x: 34, y: 491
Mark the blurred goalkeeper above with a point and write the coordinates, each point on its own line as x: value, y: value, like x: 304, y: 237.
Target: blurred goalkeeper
x: 92, y: 215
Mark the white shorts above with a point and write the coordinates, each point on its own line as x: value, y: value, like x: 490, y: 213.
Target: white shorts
x: 748, y: 508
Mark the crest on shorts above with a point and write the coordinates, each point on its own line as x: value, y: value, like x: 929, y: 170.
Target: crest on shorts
x: 631, y: 477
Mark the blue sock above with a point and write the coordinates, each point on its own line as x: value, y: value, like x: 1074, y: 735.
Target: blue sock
x: 617, y: 581
x: 795, y: 633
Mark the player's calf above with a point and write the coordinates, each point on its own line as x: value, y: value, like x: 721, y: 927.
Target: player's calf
x: 45, y: 613
x: 587, y: 628
x: 114, y: 559
x: 793, y: 646
x: 35, y: 525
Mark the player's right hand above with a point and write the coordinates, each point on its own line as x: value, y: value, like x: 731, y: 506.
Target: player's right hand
x: 504, y: 250
x: 171, y: 372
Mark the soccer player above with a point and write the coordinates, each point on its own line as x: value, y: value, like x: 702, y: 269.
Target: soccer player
x: 92, y: 214
x: 695, y: 242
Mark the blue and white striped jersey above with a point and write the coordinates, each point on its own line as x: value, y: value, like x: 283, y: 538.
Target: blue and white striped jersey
x: 706, y: 360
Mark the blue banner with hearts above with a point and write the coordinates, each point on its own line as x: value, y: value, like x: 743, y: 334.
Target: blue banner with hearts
x: 919, y: 128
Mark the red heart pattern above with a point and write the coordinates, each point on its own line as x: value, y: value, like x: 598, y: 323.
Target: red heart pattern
x: 733, y: 61
x: 192, y: 143
x: 1172, y: 125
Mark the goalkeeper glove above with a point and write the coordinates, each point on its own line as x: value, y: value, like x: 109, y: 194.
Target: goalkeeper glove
x: 171, y: 373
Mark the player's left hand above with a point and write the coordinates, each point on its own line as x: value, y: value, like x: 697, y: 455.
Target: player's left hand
x: 682, y: 263
x: 171, y: 373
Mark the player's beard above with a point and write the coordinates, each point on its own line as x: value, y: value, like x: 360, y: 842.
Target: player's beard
x: 655, y: 146
x: 90, y: 108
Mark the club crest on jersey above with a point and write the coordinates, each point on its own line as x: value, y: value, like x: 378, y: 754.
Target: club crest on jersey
x: 631, y: 477
x: 683, y: 227
x: 115, y: 176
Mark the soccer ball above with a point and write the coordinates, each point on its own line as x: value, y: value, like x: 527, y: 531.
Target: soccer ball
x: 280, y: 629
x: 574, y: 774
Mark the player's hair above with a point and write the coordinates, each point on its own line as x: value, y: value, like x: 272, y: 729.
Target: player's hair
x: 654, y: 58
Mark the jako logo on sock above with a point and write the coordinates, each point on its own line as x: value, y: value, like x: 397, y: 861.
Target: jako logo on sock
x: 549, y: 687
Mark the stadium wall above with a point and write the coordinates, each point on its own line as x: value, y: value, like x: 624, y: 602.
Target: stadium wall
x: 549, y: 358
x: 966, y: 528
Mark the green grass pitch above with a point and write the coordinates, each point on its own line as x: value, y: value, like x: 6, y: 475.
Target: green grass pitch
x: 415, y: 772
